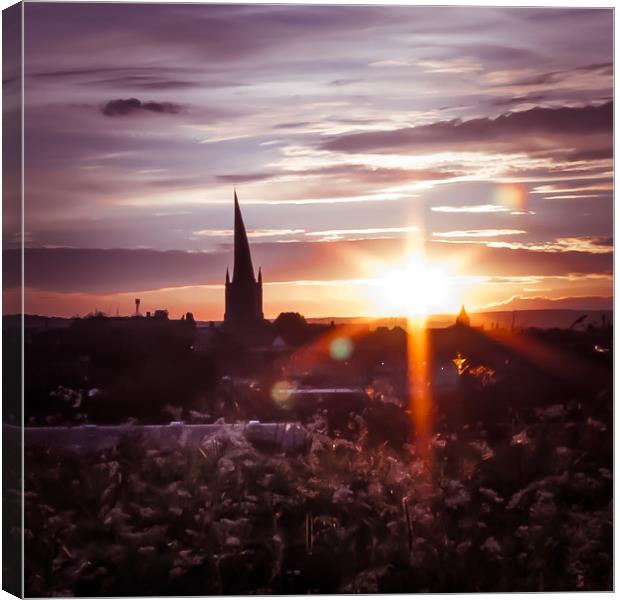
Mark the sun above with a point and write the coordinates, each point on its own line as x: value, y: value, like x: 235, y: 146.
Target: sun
x: 416, y: 289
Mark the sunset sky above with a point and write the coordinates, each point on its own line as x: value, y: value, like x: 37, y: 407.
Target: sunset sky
x: 481, y: 137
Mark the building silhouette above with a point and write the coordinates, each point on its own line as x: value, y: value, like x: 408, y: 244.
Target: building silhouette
x: 244, y: 293
x: 463, y: 317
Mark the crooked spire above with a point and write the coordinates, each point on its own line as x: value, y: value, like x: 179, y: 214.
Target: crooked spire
x: 242, y: 268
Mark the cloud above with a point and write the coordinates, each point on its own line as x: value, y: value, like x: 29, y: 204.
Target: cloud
x: 588, y: 244
x: 477, y: 233
x: 476, y: 208
x: 110, y: 271
x: 574, y: 187
x: 253, y: 233
x: 357, y: 173
x: 293, y: 125
x: 245, y: 177
x: 584, y: 244
x: 510, y: 130
x: 146, y: 82
x: 606, y: 152
x: 354, y: 173
x: 496, y: 258
x: 527, y: 99
x: 116, y: 108
x: 343, y: 82
x: 330, y: 235
x: 553, y: 77
x: 139, y: 77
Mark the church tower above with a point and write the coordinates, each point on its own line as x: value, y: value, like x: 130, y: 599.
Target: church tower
x: 244, y: 294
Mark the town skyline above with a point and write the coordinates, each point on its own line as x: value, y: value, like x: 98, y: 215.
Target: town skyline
x: 481, y: 137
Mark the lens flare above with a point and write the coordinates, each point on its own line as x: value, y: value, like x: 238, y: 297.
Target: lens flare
x: 341, y: 348
x: 281, y: 394
x: 420, y: 398
x: 512, y: 196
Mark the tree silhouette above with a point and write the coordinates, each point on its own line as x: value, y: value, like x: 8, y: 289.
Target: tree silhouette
x: 292, y: 327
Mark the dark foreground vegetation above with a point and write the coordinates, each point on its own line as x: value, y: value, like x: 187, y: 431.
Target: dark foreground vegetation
x: 531, y: 512
x: 511, y: 492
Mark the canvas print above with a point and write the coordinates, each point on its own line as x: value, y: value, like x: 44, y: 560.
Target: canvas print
x: 306, y: 299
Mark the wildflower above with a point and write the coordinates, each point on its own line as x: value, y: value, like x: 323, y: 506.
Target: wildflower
x: 457, y: 495
x: 520, y: 439
x: 437, y: 442
x: 460, y: 362
x: 545, y: 507
x: 486, y: 452
x: 422, y: 515
x: 554, y: 411
x: 343, y: 495
x: 463, y: 547
x: 146, y: 512
x: 596, y: 424
x: 225, y: 466
x: 484, y: 374
x: 492, y: 548
x: 605, y: 473
x: 491, y: 495
x: 584, y: 484
x: 522, y: 531
x: 394, y: 527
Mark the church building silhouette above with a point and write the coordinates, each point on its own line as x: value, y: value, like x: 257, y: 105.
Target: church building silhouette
x: 244, y: 293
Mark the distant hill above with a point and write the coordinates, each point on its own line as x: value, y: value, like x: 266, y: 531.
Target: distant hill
x: 543, y: 319
x: 584, y: 303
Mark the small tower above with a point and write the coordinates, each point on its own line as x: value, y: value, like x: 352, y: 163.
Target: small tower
x: 137, y: 301
x: 463, y: 317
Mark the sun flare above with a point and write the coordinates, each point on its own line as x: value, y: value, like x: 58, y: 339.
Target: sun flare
x: 416, y: 289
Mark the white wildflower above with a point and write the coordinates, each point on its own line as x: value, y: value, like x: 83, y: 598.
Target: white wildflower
x: 343, y: 495
x: 463, y: 547
x: 520, y: 439
x: 456, y: 494
x: 596, y: 424
x: 555, y: 411
x: 545, y: 507
x: 492, y: 548
x: 225, y: 466
x: 486, y: 452
x: 491, y: 495
x: 605, y: 473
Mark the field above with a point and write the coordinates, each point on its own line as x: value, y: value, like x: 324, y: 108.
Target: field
x: 510, y: 499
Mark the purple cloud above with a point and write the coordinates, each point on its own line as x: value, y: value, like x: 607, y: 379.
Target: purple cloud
x: 510, y: 129
x: 116, y: 108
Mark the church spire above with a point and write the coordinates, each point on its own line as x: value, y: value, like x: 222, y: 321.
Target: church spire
x: 242, y: 268
x: 243, y: 294
x: 463, y: 317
